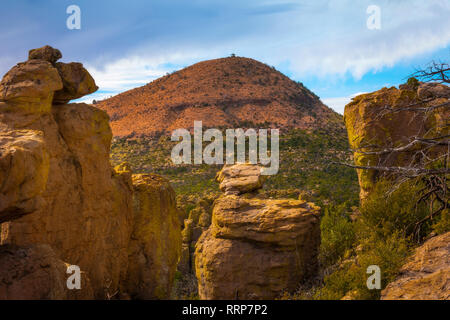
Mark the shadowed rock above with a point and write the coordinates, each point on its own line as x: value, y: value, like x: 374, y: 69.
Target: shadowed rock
x: 35, y: 273
x: 46, y: 53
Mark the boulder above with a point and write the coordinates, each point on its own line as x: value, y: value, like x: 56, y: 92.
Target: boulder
x: 284, y: 223
x: 76, y: 80
x: 433, y: 90
x: 240, y: 178
x: 155, y: 244
x: 31, y: 81
x: 426, y: 276
x: 36, y: 273
x: 46, y: 53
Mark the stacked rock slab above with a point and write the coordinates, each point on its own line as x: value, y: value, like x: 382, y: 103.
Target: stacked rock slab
x: 57, y: 188
x: 368, y: 125
x: 240, y: 178
x: 426, y: 276
x: 256, y: 248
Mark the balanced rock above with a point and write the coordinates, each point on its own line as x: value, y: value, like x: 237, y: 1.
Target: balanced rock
x: 46, y: 53
x: 426, y: 276
x: 155, y: 244
x: 284, y: 223
x: 77, y: 82
x: 257, y: 248
x: 240, y: 178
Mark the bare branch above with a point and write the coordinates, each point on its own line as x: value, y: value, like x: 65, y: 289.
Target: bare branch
x: 412, y: 172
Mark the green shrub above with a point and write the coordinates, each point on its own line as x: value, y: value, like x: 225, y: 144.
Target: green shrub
x: 442, y: 224
x: 388, y: 211
x: 338, y: 234
x: 383, y: 234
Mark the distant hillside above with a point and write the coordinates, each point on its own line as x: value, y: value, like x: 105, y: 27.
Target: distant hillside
x: 229, y: 92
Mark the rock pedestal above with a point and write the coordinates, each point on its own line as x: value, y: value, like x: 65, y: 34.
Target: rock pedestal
x: 256, y: 248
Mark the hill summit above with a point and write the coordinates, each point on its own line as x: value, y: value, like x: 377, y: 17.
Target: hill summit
x: 228, y: 92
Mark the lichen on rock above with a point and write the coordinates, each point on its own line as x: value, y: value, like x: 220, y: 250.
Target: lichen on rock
x: 370, y: 127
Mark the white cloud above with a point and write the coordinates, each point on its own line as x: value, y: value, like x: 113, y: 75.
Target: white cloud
x: 344, y: 45
x: 338, y: 103
x: 327, y: 38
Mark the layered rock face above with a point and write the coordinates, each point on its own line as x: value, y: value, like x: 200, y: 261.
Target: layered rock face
x: 426, y: 276
x: 155, y: 244
x: 369, y: 127
x: 256, y: 248
x: 57, y: 182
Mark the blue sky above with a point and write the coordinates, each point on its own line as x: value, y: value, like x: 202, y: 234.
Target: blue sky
x: 323, y: 43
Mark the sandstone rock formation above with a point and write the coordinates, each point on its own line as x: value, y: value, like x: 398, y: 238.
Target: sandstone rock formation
x: 155, y: 244
x: 426, y: 276
x: 257, y: 248
x: 367, y: 126
x: 57, y: 183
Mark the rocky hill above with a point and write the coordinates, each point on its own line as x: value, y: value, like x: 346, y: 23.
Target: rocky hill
x: 229, y: 92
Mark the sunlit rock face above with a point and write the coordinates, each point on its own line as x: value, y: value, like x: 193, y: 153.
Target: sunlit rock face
x: 370, y: 127
x: 57, y: 188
